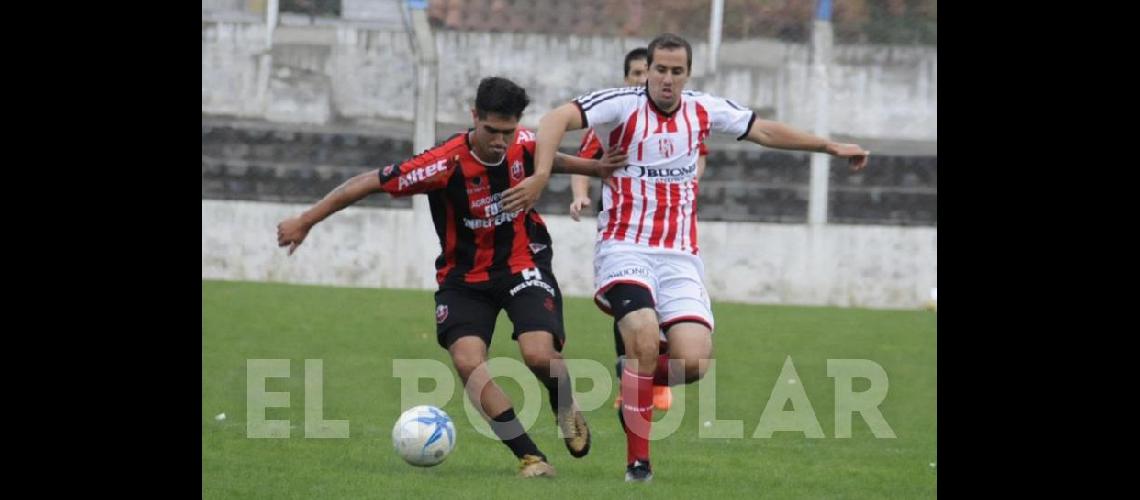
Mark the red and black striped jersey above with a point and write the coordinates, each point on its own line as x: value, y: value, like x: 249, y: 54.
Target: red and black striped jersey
x: 478, y: 241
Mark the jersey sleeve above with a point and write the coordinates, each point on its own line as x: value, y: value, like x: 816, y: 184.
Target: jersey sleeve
x: 425, y: 172
x: 726, y: 116
x: 528, y: 141
x: 607, y: 106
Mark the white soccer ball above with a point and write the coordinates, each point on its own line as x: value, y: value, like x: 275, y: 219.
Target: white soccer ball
x: 424, y: 436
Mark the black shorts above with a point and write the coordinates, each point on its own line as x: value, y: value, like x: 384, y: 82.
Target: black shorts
x: 532, y: 299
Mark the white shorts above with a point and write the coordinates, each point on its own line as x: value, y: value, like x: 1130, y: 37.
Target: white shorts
x: 675, y: 279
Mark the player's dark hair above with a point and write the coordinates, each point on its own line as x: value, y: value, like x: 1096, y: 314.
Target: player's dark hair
x: 638, y: 53
x: 671, y: 41
x: 500, y: 96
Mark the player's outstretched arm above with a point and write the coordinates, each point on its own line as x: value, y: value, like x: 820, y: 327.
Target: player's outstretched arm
x: 550, y: 131
x: 603, y: 167
x: 780, y: 136
x: 292, y: 231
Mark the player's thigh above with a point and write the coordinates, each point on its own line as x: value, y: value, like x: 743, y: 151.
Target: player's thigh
x: 468, y: 353
x: 690, y: 341
x: 681, y: 295
x: 462, y: 312
x: 622, y: 268
x: 533, y: 302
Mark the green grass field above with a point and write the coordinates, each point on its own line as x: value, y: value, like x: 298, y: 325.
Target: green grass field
x: 358, y: 332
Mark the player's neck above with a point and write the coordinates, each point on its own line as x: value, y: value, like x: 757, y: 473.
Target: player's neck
x: 475, y: 154
x: 657, y: 107
x: 666, y: 112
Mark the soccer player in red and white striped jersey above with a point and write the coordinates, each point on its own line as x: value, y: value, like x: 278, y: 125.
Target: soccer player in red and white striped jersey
x: 647, y: 269
x: 636, y: 67
x: 636, y: 70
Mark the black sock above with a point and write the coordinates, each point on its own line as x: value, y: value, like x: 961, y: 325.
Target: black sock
x: 619, y: 344
x: 511, y: 433
x: 560, y: 392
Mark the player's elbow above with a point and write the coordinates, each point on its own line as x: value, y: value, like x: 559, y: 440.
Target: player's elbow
x: 365, y: 184
x: 761, y: 133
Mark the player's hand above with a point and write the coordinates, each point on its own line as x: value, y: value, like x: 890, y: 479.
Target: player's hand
x: 856, y: 156
x: 614, y: 159
x: 577, y: 205
x: 291, y: 232
x: 525, y: 194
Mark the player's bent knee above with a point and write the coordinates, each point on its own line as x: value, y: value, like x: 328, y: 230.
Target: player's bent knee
x: 643, y: 347
x: 642, y: 325
x: 466, y: 361
x: 466, y: 368
x: 695, y: 370
x: 693, y: 346
x: 538, y: 358
x: 537, y: 348
x: 646, y: 342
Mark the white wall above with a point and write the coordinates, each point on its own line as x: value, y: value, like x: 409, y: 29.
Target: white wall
x: 856, y: 266
x: 357, y: 74
x: 224, y: 5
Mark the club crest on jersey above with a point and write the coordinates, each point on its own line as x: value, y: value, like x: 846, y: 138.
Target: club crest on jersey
x: 517, y: 170
x: 441, y: 313
x: 665, y: 146
x: 476, y: 185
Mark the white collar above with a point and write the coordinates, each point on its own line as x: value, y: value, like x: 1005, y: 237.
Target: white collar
x: 480, y: 160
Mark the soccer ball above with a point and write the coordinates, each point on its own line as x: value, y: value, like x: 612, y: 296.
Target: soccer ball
x: 424, y: 436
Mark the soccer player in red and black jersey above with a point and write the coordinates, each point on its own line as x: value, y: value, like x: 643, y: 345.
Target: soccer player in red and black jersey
x: 491, y: 259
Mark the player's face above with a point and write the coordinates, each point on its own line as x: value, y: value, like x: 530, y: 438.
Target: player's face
x: 638, y: 71
x: 492, y: 135
x: 667, y: 77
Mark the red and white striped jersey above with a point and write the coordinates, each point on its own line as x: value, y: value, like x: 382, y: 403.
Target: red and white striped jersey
x: 653, y: 200
x: 591, y: 147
